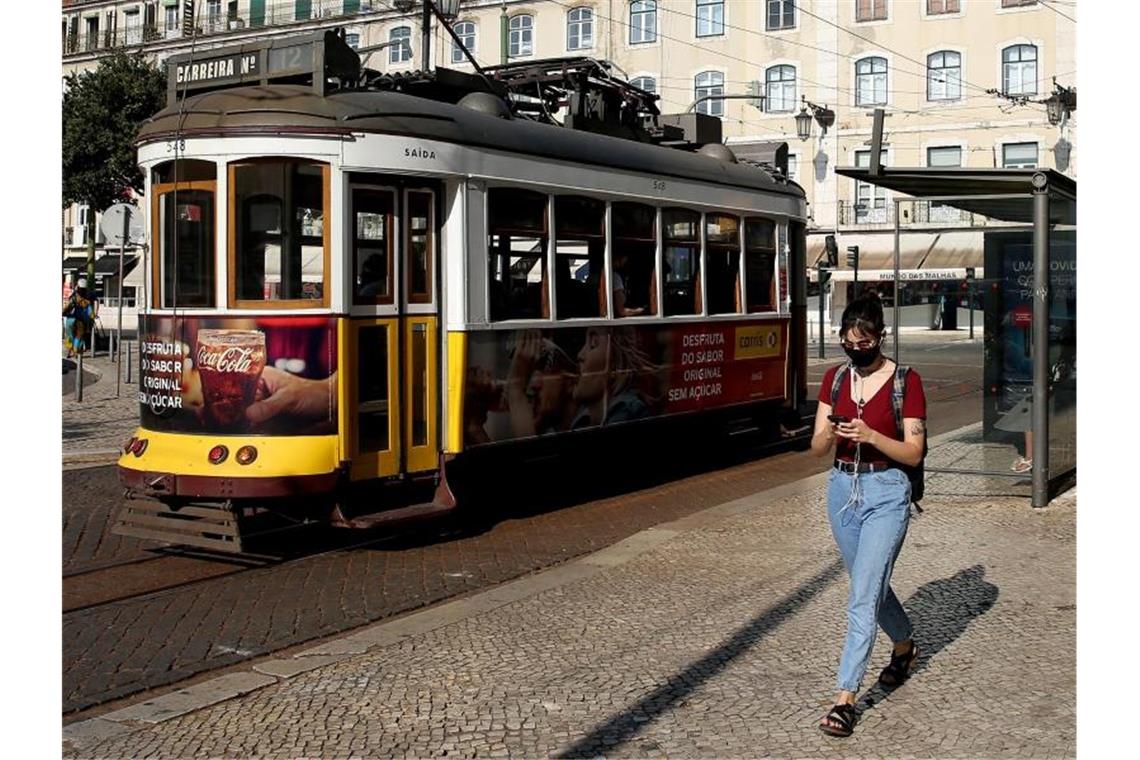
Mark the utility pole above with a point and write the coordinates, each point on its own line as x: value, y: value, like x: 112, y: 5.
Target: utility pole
x: 425, y: 40
x: 504, y: 34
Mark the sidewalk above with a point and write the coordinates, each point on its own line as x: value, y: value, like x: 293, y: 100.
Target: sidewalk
x: 714, y: 635
x: 94, y: 430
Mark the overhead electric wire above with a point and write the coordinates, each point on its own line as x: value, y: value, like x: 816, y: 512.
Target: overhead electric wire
x: 1049, y: 5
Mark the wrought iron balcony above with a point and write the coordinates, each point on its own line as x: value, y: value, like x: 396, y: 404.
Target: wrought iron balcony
x: 913, y: 213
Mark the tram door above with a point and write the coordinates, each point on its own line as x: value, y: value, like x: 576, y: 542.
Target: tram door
x: 393, y: 336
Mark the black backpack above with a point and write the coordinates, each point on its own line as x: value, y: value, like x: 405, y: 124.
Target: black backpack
x: 916, y: 473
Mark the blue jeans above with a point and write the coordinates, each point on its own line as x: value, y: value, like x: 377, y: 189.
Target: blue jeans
x: 870, y: 533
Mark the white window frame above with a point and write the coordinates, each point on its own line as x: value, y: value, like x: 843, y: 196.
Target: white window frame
x: 947, y: 81
x: 886, y: 79
x: 768, y: 100
x: 399, y: 54
x: 1009, y: 143
x: 645, y: 10
x: 457, y: 57
x: 581, y: 25
x: 1020, y: 63
x: 643, y: 75
x: 133, y: 34
x: 521, y: 36
x: 879, y: 198
x: 709, y: 18
x: 709, y: 107
x: 170, y: 31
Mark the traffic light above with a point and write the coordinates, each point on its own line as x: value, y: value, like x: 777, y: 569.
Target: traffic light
x: 831, y: 251
x: 853, y: 256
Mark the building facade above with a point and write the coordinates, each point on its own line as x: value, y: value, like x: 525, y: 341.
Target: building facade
x: 934, y: 66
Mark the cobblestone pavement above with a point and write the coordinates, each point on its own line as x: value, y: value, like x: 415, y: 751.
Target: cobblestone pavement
x: 714, y: 635
x: 94, y: 429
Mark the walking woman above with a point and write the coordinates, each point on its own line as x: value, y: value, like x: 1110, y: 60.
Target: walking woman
x: 868, y: 496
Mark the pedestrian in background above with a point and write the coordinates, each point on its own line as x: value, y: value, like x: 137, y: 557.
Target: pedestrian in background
x: 79, y: 318
x: 868, y: 495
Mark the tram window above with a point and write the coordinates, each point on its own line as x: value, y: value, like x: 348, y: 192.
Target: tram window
x: 372, y: 389
x: 682, y: 261
x: 419, y: 237
x: 186, y: 234
x: 634, y: 228
x: 184, y: 170
x: 722, y: 263
x: 580, y: 249
x: 516, y: 251
x: 280, y: 237
x: 760, y: 263
x: 373, y: 211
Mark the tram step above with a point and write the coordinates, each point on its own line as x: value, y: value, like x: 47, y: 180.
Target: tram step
x: 203, y: 526
x: 391, y: 516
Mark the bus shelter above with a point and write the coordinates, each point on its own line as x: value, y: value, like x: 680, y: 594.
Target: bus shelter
x: 1040, y: 267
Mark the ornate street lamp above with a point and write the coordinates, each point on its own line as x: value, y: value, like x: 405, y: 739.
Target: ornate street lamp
x: 823, y: 115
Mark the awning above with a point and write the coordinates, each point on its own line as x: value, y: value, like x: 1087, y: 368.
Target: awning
x: 917, y: 250
x: 74, y: 263
x: 109, y: 265
x: 975, y: 189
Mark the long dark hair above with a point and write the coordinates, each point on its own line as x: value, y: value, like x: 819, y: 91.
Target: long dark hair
x: 864, y: 314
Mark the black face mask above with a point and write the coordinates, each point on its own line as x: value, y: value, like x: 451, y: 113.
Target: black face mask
x: 865, y: 357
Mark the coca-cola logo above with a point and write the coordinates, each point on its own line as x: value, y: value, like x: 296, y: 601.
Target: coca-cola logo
x: 233, y: 359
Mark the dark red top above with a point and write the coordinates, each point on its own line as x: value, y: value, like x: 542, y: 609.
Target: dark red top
x: 877, y: 412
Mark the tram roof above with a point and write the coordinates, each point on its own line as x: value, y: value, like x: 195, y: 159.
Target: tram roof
x: 285, y: 108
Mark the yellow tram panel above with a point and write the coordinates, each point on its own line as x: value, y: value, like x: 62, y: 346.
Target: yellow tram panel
x: 277, y: 456
x: 456, y: 375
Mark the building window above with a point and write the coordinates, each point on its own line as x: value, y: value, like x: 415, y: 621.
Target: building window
x: 944, y: 76
x: 401, y: 49
x: 352, y: 39
x: 579, y: 29
x: 280, y: 239
x: 1017, y: 3
x: 214, y: 20
x: 781, y: 14
x: 949, y: 156
x: 870, y: 200
x: 1019, y: 155
x: 780, y: 89
x: 710, y: 83
x: 871, y: 82
x: 870, y: 10
x: 649, y: 84
x: 92, y: 41
x: 132, y: 23
x: 1019, y: 70
x: 938, y: 7
x: 173, y: 21
x: 302, y: 10
x: 793, y: 167
x: 521, y: 36
x: 465, y: 31
x: 642, y: 21
x: 710, y: 18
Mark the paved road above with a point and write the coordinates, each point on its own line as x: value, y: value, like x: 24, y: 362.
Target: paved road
x: 712, y: 636
x: 549, y: 516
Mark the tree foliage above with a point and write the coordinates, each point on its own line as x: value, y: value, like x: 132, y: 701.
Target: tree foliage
x: 102, y: 111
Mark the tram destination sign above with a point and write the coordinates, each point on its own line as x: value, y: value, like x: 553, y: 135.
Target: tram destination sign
x: 213, y: 70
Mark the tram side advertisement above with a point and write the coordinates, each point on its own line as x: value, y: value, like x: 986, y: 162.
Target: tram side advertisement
x: 537, y: 382
x: 224, y: 375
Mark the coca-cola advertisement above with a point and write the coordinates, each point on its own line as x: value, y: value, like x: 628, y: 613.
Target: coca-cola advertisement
x: 252, y: 376
x: 537, y: 382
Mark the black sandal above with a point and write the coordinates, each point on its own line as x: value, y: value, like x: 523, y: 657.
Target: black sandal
x: 840, y: 721
x: 899, y: 668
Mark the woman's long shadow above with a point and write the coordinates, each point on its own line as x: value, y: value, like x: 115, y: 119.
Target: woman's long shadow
x: 940, y: 612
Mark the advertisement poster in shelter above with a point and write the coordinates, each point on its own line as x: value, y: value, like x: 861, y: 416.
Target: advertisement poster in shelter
x: 534, y: 382
x: 251, y: 376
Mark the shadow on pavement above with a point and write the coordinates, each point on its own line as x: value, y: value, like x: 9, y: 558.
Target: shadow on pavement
x: 626, y: 724
x: 940, y: 611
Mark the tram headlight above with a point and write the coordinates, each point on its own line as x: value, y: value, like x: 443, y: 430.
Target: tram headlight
x: 138, y: 447
x: 218, y: 454
x: 246, y: 455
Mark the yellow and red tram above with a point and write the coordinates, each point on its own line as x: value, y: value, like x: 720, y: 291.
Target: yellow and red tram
x: 351, y: 283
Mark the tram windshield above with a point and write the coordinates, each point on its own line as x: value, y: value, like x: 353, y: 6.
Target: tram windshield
x: 280, y: 237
